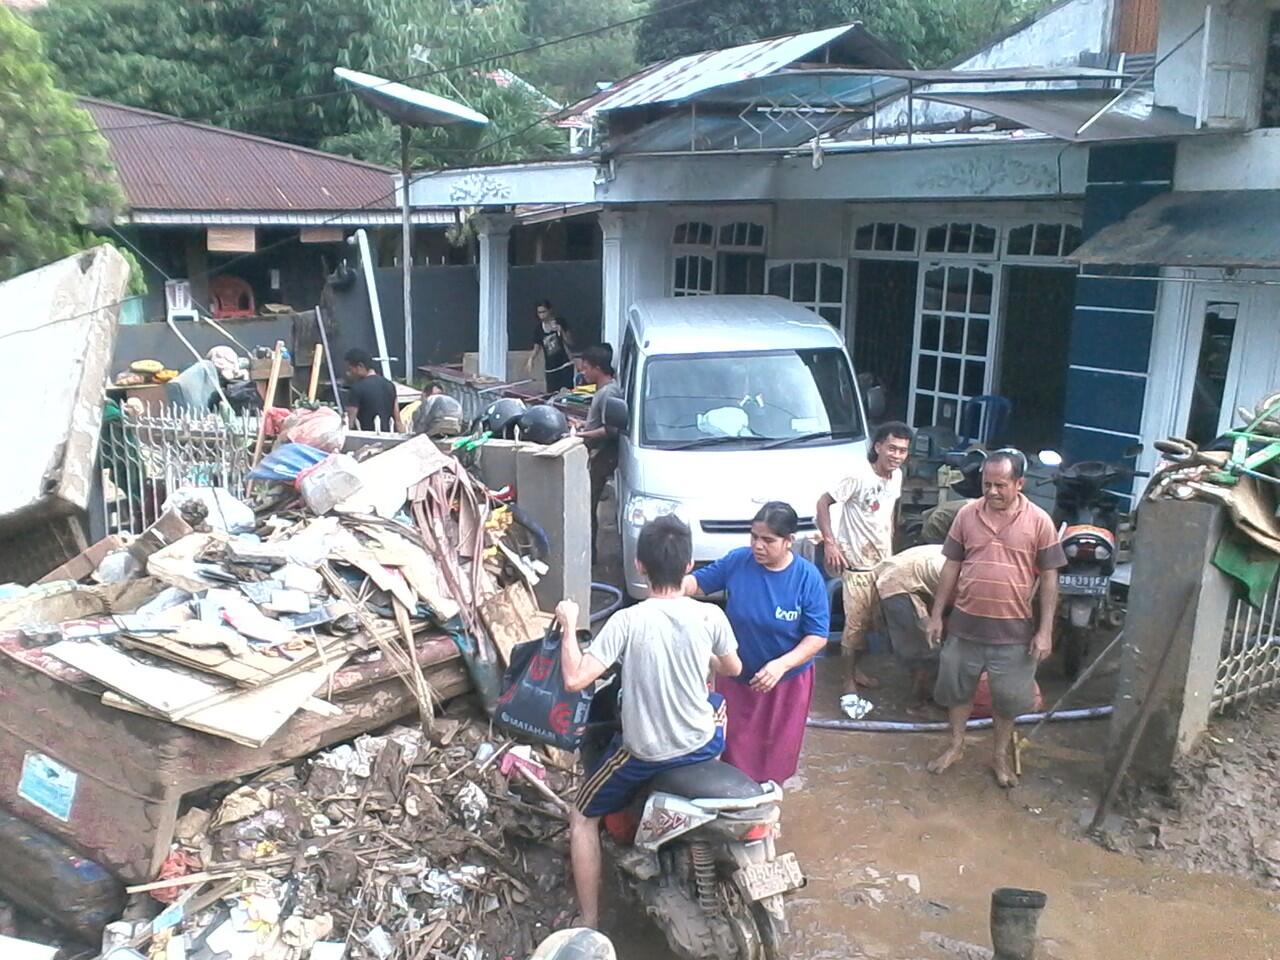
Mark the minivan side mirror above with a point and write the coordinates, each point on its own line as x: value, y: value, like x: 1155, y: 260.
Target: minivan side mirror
x: 616, y: 414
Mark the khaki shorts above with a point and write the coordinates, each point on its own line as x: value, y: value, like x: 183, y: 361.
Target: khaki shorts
x: 860, y: 603
x: 1011, y: 673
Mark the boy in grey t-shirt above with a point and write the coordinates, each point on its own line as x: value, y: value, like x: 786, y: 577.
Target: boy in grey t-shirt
x: 668, y: 644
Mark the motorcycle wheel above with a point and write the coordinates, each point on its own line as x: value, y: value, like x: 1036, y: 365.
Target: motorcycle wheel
x: 1075, y: 648
x: 770, y: 933
x: 744, y: 919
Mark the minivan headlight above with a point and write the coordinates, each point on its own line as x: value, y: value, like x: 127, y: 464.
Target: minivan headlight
x: 641, y: 509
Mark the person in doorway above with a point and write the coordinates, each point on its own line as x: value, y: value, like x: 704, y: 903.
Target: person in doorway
x: 371, y: 398
x: 863, y: 537
x: 552, y: 339
x: 777, y: 605
x: 996, y: 551
x: 905, y: 585
x: 596, y: 364
x: 668, y: 645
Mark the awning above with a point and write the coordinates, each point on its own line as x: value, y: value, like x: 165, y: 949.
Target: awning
x: 1060, y: 113
x: 1216, y: 228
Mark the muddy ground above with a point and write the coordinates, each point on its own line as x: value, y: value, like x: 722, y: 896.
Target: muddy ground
x: 901, y: 864
x: 1221, y: 812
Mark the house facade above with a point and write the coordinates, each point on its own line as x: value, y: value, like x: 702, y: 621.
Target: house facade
x: 958, y: 226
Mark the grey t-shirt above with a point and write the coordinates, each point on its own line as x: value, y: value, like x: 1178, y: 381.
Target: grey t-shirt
x: 666, y: 648
x: 595, y: 413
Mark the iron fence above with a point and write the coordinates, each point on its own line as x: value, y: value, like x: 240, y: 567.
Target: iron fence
x: 144, y: 458
x: 1249, y: 665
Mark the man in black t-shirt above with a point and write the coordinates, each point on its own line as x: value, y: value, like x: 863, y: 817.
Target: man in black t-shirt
x: 371, y: 399
x: 551, y: 337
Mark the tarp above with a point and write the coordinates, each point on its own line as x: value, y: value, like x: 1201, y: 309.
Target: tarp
x: 58, y: 326
x: 1212, y: 228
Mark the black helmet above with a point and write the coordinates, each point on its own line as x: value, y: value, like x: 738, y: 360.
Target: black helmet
x: 501, y: 415
x: 543, y: 424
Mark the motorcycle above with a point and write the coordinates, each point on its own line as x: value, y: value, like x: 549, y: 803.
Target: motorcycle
x: 697, y: 849
x: 1088, y: 515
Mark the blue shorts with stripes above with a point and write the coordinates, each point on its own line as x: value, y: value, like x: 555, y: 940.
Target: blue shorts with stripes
x: 614, y: 782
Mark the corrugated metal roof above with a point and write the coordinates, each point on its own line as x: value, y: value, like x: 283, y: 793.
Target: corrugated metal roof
x: 166, y: 163
x: 687, y: 76
x: 1213, y: 228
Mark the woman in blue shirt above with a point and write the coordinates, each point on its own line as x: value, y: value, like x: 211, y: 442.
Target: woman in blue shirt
x: 777, y: 605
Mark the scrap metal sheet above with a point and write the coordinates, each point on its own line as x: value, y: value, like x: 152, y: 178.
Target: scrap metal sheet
x: 58, y: 326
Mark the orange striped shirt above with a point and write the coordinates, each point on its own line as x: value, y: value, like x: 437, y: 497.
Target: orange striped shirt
x: 1001, y: 555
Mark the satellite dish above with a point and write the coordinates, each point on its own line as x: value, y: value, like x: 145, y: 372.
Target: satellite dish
x: 405, y: 105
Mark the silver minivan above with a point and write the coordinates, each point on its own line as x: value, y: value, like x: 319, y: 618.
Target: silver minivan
x: 732, y: 401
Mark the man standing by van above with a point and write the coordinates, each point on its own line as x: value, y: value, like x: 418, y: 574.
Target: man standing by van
x: 596, y: 365
x: 863, y: 537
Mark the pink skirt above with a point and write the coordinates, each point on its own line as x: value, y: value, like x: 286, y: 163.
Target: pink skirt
x: 766, y: 730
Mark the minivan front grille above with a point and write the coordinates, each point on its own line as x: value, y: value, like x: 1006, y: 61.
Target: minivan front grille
x: 744, y: 526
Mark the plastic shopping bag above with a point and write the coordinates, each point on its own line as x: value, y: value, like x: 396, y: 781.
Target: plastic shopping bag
x: 534, y: 704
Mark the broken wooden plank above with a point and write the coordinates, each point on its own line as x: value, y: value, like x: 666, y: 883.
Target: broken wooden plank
x: 163, y: 689
x: 251, y: 718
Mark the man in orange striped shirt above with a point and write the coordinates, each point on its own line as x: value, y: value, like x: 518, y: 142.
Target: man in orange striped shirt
x: 998, y: 550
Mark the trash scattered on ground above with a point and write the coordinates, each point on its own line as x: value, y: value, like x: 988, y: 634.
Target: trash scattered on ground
x: 401, y: 845
x: 855, y: 707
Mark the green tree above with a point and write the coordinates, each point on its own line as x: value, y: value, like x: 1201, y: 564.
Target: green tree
x: 266, y: 66
x: 927, y: 32
x: 51, y: 186
x: 570, y: 71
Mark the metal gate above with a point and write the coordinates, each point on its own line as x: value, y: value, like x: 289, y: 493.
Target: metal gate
x: 1249, y: 665
x: 144, y: 458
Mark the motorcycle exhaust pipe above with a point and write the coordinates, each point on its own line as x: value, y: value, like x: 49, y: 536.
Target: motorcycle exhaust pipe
x: 1015, y: 914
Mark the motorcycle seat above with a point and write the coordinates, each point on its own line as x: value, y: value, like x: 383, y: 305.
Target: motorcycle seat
x: 708, y: 780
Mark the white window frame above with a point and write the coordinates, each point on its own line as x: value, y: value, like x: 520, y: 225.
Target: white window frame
x: 818, y: 302
x: 1040, y: 259
x: 699, y: 256
x: 876, y: 223
x: 991, y: 359
x: 712, y: 250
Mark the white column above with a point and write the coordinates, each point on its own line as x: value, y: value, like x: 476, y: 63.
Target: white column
x: 494, y: 230
x: 619, y: 260
x: 612, y: 226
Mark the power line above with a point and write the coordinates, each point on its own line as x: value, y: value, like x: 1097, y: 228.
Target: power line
x: 426, y: 74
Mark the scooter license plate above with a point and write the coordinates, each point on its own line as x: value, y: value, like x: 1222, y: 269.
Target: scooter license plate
x: 1082, y: 584
x: 762, y: 880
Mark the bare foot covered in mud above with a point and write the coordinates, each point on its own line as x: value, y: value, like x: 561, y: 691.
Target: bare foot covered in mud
x: 944, y: 762
x: 865, y: 681
x: 1005, y: 776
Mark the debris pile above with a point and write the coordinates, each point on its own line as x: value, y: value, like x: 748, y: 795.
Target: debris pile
x: 229, y: 620
x: 391, y: 847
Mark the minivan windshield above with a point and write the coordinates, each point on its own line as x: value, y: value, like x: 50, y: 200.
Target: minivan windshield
x: 765, y: 399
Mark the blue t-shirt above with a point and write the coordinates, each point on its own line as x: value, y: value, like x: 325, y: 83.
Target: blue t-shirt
x: 770, y: 611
